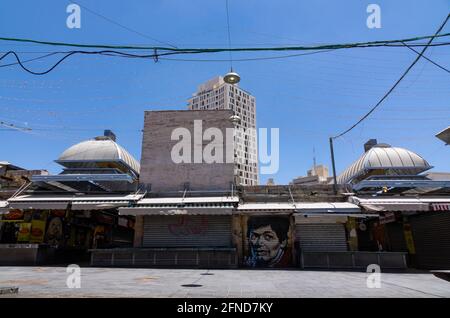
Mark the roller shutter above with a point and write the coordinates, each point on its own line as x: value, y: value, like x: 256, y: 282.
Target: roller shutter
x: 396, y: 237
x: 431, y: 234
x: 187, y: 231
x: 321, y: 237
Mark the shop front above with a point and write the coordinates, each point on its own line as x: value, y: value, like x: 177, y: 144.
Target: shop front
x: 326, y: 237
x: 177, y: 232
x: 417, y: 226
x: 52, y: 229
x: 431, y: 234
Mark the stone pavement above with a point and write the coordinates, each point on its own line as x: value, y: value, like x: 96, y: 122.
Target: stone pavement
x: 181, y: 283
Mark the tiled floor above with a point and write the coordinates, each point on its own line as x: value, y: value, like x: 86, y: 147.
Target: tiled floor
x: 120, y: 282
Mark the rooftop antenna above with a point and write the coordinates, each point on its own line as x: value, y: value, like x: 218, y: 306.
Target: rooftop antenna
x: 231, y: 77
x: 314, y: 159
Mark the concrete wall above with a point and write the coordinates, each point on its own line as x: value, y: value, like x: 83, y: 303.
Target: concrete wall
x: 300, y: 193
x: 157, y: 166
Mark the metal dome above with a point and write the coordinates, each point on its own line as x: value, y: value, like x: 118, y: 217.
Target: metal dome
x: 98, y: 152
x: 384, y: 159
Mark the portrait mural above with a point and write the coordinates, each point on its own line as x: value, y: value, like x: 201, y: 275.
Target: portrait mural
x: 268, y: 242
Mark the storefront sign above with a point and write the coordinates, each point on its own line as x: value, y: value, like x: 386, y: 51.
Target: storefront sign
x: 37, y: 231
x: 24, y: 232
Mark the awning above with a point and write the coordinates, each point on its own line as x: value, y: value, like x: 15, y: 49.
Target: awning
x: 174, y: 211
x: 182, y: 206
x: 327, y: 208
x: 306, y: 207
x: 97, y: 205
x: 39, y: 205
x: 104, y: 202
x: 83, y: 177
x: 26, y: 202
x: 353, y: 215
x: 392, y: 204
x: 188, y: 200
x: 337, y: 212
x: 269, y: 207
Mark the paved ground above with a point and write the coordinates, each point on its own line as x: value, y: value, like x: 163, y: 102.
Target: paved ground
x: 119, y: 282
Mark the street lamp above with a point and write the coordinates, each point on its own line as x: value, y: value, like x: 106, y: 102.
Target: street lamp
x: 333, y: 165
x: 232, y: 77
x: 235, y: 120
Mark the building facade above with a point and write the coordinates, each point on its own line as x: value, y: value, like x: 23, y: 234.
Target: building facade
x: 175, y: 149
x: 413, y: 205
x: 216, y: 94
x: 317, y: 175
x: 59, y: 218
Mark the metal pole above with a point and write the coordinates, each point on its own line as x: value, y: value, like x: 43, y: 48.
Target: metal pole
x: 333, y: 166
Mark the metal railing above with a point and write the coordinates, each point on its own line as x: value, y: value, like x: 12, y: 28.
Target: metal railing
x: 166, y: 257
x: 352, y: 259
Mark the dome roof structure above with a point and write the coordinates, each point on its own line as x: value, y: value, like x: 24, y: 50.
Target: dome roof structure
x: 101, y: 152
x: 383, y: 159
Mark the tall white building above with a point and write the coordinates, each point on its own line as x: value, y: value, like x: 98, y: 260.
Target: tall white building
x: 216, y: 94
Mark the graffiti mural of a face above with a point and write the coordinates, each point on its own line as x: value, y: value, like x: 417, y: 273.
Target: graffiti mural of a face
x: 268, y: 240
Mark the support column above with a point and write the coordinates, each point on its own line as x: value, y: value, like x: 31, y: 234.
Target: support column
x: 236, y: 226
x: 138, y: 231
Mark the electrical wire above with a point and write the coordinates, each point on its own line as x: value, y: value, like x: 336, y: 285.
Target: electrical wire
x: 246, y: 59
x: 14, y: 127
x: 32, y: 72
x: 173, y: 51
x: 30, y: 60
x: 120, y: 25
x: 67, y: 55
x: 396, y: 83
x: 426, y: 58
x: 239, y: 49
x: 229, y: 34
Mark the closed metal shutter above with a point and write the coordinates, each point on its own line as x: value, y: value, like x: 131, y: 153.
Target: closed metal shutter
x: 187, y: 231
x: 321, y: 237
x: 396, y: 237
x: 431, y: 234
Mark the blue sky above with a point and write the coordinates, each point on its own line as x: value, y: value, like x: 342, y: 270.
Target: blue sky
x: 309, y: 97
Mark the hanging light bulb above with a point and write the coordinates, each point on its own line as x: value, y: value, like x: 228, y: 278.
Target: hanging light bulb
x: 232, y: 78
